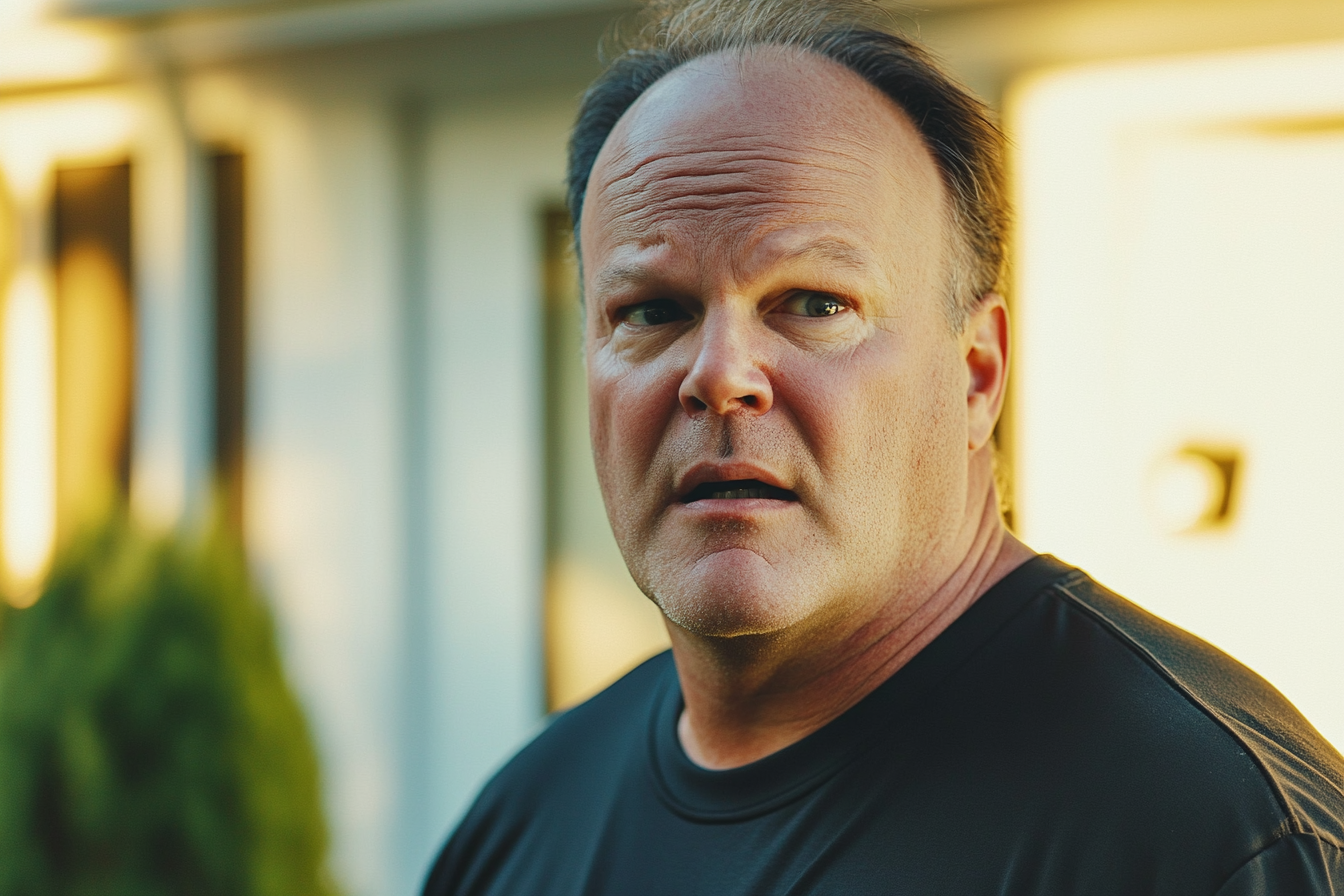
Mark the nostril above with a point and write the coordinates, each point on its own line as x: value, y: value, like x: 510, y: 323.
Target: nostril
x: 696, y: 404
x: 750, y: 401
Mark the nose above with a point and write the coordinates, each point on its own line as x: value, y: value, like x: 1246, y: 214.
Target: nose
x: 726, y: 374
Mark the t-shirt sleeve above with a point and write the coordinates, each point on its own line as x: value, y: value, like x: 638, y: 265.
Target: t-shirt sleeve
x: 1295, y: 865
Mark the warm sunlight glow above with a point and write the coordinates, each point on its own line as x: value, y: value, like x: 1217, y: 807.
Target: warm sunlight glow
x: 598, y: 628
x: 42, y: 54
x: 35, y: 49
x: 28, y: 431
x: 16, y: 12
x: 1178, y: 317
x: 35, y: 132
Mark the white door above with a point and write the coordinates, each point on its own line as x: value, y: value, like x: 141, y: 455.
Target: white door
x: 1180, y: 314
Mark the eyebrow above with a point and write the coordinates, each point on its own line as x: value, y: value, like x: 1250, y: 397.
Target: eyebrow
x: 830, y: 249
x: 623, y: 275
x: 835, y: 251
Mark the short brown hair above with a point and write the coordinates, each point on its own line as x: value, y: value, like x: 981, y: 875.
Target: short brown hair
x: 956, y: 126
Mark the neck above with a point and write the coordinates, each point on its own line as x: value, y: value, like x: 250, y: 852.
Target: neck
x: 748, y: 698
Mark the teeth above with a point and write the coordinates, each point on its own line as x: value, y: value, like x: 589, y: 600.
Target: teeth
x: 734, y: 493
x: 737, y: 490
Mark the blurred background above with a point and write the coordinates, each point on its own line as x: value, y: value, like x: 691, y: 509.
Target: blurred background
x: 302, y: 267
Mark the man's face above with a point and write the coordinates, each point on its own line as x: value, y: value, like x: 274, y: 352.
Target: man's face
x: 778, y: 406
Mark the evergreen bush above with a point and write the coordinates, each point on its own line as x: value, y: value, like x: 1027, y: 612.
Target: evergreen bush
x: 149, y: 743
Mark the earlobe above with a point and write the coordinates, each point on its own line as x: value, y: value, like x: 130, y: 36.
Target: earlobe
x: 984, y: 342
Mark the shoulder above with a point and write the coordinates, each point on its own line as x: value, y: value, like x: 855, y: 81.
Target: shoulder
x: 1215, y: 705
x: 1293, y: 863
x: 543, y: 798
x: 1135, y: 756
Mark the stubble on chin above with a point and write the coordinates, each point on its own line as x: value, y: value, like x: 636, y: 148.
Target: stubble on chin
x: 735, y: 582
x: 722, y: 606
x: 702, y: 579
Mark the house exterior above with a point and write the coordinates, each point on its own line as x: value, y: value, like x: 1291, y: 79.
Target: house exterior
x: 341, y: 303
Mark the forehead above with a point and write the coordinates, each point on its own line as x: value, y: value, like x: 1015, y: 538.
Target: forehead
x: 748, y: 148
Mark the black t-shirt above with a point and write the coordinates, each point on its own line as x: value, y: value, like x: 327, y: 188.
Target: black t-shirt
x: 1055, y: 739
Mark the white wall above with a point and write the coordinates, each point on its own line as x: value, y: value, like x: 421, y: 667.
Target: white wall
x: 491, y: 171
x: 322, y: 518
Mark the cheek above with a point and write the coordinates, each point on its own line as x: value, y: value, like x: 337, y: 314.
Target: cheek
x: 628, y: 412
x: 926, y: 439
x: 886, y: 429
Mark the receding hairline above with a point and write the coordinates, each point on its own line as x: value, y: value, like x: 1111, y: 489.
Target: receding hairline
x: 955, y: 126
x: 742, y: 55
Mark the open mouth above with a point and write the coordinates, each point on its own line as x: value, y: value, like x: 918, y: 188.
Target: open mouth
x: 736, y: 489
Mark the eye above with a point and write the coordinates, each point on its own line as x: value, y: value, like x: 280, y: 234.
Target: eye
x: 652, y: 313
x: 813, y: 304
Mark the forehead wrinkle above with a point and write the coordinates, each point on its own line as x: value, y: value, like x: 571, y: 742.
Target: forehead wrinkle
x: 649, y: 176
x: 768, y: 188
x: 640, y: 222
x: 829, y: 249
x: 727, y: 147
x: 670, y: 166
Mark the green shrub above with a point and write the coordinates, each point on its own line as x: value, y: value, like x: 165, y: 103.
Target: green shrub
x: 149, y: 743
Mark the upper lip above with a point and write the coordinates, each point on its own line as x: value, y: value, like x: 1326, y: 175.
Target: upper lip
x: 725, y: 472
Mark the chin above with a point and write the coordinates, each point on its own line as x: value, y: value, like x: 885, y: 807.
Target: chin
x: 729, y: 596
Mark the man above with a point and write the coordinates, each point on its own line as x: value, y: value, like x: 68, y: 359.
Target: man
x: 791, y: 229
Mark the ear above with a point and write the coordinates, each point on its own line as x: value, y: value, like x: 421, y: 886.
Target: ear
x: 984, y: 345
